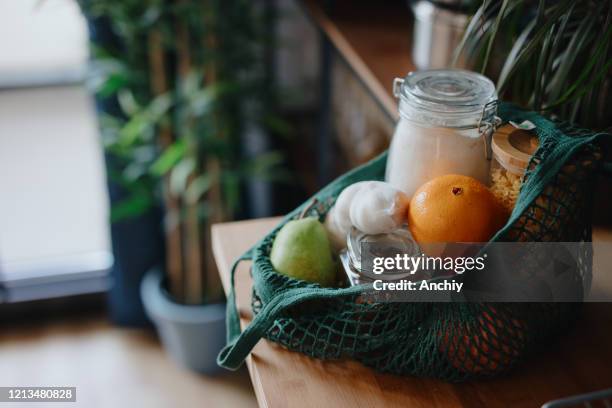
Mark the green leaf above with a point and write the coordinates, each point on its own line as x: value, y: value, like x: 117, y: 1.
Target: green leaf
x: 170, y: 156
x: 144, y: 154
x: 179, y: 176
x: 595, y: 80
x: 541, y: 69
x: 197, y: 188
x: 191, y: 82
x: 513, y: 56
x: 469, y: 33
x: 559, y: 38
x: 568, y: 58
x: 493, y: 35
x: 133, y: 206
x: 201, y: 101
x: 107, y: 87
x: 528, y: 45
x: 586, y: 74
x: 106, y: 76
x: 151, y: 15
x: 133, y: 171
x: 133, y: 130
x: 127, y: 102
x: 160, y: 105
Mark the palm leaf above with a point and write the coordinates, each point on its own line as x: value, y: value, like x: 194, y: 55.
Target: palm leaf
x: 581, y: 36
x: 531, y: 44
x: 554, y: 55
x: 469, y: 33
x: 494, y: 32
x: 546, y: 60
x: 599, y: 53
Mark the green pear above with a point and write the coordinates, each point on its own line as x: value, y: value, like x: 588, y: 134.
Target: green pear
x: 302, y: 250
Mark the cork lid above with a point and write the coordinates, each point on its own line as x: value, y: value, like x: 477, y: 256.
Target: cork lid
x: 513, y: 148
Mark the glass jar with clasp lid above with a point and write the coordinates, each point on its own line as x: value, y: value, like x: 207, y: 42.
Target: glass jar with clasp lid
x: 446, y: 120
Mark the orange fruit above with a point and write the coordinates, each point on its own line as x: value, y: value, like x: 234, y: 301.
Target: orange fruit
x: 454, y: 208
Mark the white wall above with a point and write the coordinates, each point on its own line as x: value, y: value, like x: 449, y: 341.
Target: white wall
x: 53, y: 200
x: 41, y: 39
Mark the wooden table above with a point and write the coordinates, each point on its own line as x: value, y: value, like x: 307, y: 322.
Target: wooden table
x: 580, y: 362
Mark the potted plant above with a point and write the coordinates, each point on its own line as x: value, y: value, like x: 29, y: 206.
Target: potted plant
x: 553, y: 57
x: 548, y: 56
x: 189, y: 81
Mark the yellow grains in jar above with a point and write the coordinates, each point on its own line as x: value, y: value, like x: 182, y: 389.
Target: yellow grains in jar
x: 512, y: 150
x: 505, y: 186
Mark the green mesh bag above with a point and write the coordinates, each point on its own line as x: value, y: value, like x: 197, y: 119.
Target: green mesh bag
x: 450, y: 341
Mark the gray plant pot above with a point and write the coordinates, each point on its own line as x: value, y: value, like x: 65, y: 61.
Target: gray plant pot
x: 192, y: 335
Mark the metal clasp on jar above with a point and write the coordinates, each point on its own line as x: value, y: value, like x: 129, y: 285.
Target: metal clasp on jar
x: 486, y: 128
x: 397, y: 86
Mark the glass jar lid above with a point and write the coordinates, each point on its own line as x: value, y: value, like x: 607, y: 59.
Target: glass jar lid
x: 446, y: 97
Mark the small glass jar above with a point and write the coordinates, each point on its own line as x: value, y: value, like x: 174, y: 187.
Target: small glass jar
x: 512, y: 150
x: 396, y: 242
x: 446, y: 118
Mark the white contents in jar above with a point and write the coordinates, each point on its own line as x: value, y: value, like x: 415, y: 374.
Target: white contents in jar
x: 419, y: 154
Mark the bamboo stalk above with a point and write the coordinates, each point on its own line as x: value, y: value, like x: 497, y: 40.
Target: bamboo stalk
x: 159, y: 85
x: 213, y: 166
x: 194, y: 288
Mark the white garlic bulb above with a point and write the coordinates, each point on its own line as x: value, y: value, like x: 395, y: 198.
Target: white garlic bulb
x: 379, y: 208
x: 338, y: 220
x: 373, y: 207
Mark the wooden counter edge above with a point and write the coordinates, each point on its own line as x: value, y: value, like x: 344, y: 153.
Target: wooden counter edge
x: 224, y: 262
